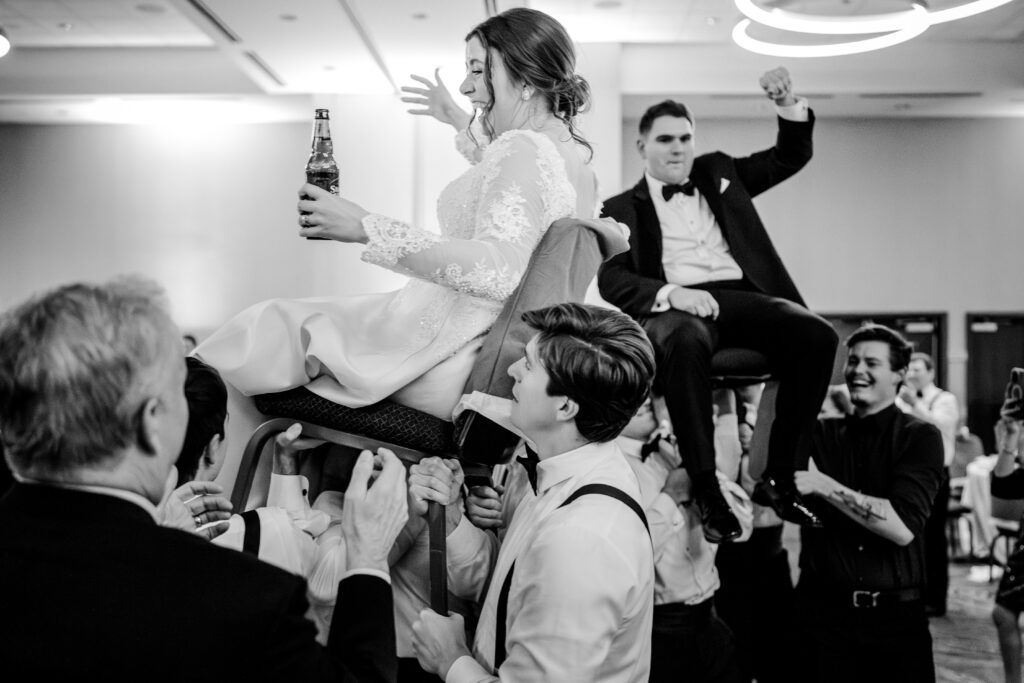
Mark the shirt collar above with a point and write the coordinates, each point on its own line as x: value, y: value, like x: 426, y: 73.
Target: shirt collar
x: 123, y: 494
x: 630, y: 446
x: 877, y: 420
x: 560, y: 468
x: 654, y: 186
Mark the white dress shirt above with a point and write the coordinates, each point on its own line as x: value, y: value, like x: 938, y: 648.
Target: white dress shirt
x: 581, y: 600
x: 694, y: 250
x: 684, y: 561
x: 942, y: 410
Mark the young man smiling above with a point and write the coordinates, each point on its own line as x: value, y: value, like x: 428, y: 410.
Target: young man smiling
x: 860, y: 595
x: 571, y: 588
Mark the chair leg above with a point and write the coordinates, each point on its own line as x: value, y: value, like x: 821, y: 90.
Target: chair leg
x: 992, y: 558
x: 437, y: 531
x: 251, y: 458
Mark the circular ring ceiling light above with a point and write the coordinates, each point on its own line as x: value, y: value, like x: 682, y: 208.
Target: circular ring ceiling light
x: 744, y: 40
x: 897, y: 27
x: 831, y: 25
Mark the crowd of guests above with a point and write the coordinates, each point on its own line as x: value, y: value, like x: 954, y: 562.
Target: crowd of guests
x: 627, y: 541
x: 114, y: 450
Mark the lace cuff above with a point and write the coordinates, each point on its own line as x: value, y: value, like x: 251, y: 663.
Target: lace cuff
x: 391, y: 240
x: 471, y: 140
x: 466, y: 146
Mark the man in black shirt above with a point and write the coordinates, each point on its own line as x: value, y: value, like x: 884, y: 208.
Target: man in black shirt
x: 860, y: 591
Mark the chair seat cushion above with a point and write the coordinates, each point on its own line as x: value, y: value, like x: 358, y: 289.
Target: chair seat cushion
x: 737, y: 366
x: 385, y: 420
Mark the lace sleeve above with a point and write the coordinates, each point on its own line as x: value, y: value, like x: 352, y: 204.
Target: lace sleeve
x: 525, y: 188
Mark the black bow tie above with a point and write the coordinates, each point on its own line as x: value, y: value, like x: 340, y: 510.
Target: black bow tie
x: 650, y: 446
x: 529, y: 463
x: 668, y: 190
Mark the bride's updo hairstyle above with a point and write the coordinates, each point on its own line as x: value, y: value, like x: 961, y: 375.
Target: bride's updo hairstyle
x: 537, y: 52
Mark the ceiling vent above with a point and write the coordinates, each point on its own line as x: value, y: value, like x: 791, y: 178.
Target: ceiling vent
x: 263, y: 67
x: 214, y: 19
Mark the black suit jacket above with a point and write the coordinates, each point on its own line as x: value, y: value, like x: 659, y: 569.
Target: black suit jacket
x: 93, y: 589
x: 632, y: 280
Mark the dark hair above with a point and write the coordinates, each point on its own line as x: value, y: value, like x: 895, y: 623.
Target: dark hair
x: 929, y: 364
x: 207, y: 410
x: 599, y: 358
x: 77, y: 366
x: 536, y: 51
x: 666, y: 108
x: 899, y: 348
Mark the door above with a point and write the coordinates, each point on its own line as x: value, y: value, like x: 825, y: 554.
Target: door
x: 995, y: 344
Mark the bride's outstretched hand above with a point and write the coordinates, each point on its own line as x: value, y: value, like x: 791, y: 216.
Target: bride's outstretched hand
x: 326, y: 215
x: 436, y: 101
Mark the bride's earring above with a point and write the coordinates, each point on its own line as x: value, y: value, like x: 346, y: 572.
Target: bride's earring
x: 527, y: 94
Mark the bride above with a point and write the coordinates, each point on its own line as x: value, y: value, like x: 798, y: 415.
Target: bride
x: 416, y: 345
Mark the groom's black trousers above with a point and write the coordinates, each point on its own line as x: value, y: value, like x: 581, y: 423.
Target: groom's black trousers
x: 799, y: 345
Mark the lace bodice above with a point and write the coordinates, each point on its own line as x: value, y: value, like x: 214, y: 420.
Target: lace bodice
x: 491, y: 218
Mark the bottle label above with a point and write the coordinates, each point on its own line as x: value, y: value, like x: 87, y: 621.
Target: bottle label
x: 327, y: 180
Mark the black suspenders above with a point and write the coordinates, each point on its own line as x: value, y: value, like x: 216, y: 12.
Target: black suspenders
x: 251, y: 539
x: 502, y: 609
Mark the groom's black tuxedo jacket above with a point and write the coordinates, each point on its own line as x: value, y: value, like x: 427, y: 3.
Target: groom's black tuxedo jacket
x: 92, y: 589
x: 631, y: 280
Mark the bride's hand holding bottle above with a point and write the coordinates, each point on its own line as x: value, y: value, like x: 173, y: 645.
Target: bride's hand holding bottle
x: 328, y: 216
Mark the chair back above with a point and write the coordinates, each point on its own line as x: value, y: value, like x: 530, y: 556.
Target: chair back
x: 560, y: 270
x: 1006, y: 509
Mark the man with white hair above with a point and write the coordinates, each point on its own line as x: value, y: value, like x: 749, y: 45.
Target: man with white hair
x: 92, y: 418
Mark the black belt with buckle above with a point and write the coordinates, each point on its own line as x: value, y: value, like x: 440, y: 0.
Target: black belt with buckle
x: 868, y: 599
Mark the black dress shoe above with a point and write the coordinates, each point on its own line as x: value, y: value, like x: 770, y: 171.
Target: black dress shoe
x: 720, y: 524
x: 781, y: 495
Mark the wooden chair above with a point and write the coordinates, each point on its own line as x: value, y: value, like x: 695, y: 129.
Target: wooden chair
x: 560, y: 269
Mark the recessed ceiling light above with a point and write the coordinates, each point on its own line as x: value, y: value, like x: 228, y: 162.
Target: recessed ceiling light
x: 712, y: 21
x: 419, y: 16
x: 65, y: 26
x: 150, y: 8
x: 287, y: 17
x: 329, y: 67
x: 608, y: 4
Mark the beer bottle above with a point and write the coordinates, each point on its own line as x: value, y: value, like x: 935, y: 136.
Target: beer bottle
x: 321, y: 169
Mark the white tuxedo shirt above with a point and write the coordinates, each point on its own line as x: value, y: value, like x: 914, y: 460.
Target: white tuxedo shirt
x: 581, y: 601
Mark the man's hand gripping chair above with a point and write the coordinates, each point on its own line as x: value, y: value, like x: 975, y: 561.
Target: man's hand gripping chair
x: 560, y: 270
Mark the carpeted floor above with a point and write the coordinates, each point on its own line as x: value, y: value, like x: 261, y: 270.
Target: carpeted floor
x: 965, y: 645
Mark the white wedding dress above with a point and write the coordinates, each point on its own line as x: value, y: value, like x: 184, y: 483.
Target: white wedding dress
x: 417, y: 345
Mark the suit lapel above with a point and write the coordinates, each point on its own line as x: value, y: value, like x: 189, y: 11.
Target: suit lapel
x: 708, y: 185
x: 648, y: 237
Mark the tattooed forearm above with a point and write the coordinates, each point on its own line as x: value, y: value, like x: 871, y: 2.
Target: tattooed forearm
x: 858, y: 505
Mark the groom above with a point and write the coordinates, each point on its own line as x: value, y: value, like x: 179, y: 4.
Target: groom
x: 701, y: 274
